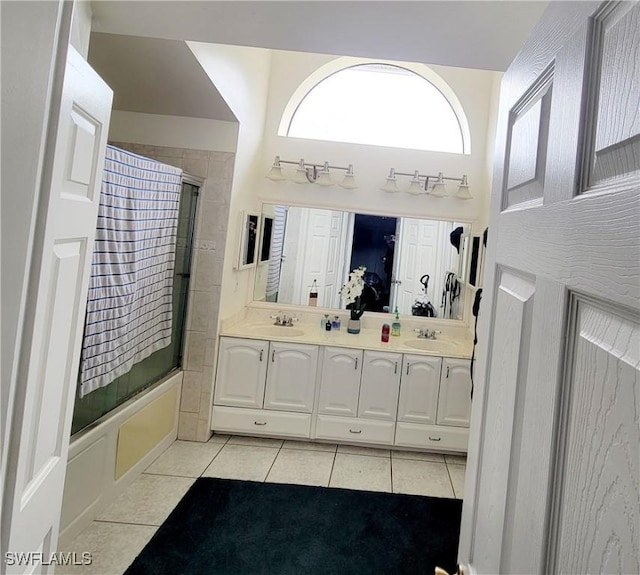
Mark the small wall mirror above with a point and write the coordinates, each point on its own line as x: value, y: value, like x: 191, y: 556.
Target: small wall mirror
x: 411, y: 263
x: 249, y: 228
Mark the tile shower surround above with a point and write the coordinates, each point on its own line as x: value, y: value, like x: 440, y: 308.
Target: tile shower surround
x: 216, y: 168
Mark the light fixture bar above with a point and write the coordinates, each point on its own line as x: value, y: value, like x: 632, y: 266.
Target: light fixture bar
x: 311, y: 165
x: 309, y: 172
x: 419, y: 185
x: 429, y: 177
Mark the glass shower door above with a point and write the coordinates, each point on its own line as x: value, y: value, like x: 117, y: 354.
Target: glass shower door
x: 157, y: 366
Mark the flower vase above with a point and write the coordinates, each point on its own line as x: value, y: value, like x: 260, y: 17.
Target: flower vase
x: 353, y: 326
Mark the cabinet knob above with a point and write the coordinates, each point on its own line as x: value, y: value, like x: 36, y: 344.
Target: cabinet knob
x: 408, y: 364
x: 435, y: 438
x: 259, y: 423
x: 395, y: 370
x: 273, y: 356
x: 356, y: 363
x: 355, y: 431
x: 261, y: 352
x: 448, y: 368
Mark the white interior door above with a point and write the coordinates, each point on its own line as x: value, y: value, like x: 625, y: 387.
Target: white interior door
x: 419, y: 256
x: 50, y: 347
x: 331, y: 283
x: 553, y: 474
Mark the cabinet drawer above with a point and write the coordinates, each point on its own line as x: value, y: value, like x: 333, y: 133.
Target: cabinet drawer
x: 431, y: 437
x: 261, y: 421
x: 353, y: 429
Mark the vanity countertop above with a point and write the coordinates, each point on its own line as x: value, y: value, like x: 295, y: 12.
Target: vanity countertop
x: 311, y: 333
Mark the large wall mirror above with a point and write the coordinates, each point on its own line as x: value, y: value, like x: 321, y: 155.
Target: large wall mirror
x: 411, y: 263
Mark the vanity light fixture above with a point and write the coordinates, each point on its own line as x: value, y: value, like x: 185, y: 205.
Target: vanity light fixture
x: 390, y: 185
x: 419, y: 185
x: 438, y: 190
x: 463, y: 192
x: 275, y: 173
x: 415, y: 187
x: 312, y: 173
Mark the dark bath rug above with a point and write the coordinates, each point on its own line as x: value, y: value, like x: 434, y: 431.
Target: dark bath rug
x: 228, y: 527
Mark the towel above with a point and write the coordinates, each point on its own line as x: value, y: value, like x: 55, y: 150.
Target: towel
x: 129, y: 307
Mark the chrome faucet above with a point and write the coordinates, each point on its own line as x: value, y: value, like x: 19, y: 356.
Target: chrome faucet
x: 283, y: 320
x: 427, y: 333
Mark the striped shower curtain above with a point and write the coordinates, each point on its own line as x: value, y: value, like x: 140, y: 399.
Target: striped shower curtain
x: 129, y: 310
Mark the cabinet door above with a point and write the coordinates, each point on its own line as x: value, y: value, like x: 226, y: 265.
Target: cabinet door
x: 291, y: 377
x: 379, y: 385
x: 242, y: 368
x: 454, y: 403
x: 340, y: 382
x: 418, y: 401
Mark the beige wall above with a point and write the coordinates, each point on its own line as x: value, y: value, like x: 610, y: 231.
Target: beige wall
x: 241, y: 75
x: 216, y: 168
x: 475, y: 89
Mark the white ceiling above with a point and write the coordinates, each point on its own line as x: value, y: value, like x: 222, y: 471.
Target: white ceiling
x: 471, y: 34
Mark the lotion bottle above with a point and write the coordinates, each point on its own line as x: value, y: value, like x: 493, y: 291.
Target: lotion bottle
x: 395, y: 326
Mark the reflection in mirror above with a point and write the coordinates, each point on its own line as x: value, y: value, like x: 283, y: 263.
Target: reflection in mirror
x: 248, y: 240
x: 411, y: 263
x: 265, y: 238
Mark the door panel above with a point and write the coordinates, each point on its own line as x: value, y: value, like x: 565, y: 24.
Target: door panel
x: 616, y: 149
x: 454, y: 400
x: 507, y: 371
x: 551, y: 481
x: 340, y: 383
x: 291, y: 377
x: 50, y: 348
x: 420, y: 383
x: 600, y: 435
x: 242, y: 371
x: 380, y: 385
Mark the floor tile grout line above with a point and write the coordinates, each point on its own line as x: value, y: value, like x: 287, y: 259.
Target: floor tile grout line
x: 453, y: 489
x: 333, y: 464
x: 156, y: 474
x: 273, y: 462
x: 214, y: 457
x: 112, y: 522
x: 391, y: 470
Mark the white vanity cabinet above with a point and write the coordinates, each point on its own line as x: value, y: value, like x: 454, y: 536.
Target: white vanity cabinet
x: 341, y: 394
x: 358, y: 396
x: 379, y: 385
x: 264, y: 388
x: 242, y: 369
x: 454, y: 402
x: 340, y: 381
x: 291, y: 377
x: 435, y: 404
x: 418, y: 402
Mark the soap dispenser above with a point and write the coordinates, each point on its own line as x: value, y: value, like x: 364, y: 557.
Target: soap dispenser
x: 395, y: 326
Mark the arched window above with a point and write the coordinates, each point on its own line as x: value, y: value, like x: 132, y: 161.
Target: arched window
x: 380, y: 104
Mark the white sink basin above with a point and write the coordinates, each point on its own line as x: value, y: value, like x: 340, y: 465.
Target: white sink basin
x: 277, y: 331
x: 435, y: 345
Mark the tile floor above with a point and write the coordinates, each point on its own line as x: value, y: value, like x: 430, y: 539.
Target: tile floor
x: 124, y: 528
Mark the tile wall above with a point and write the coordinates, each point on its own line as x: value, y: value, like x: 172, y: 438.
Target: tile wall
x: 216, y: 168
